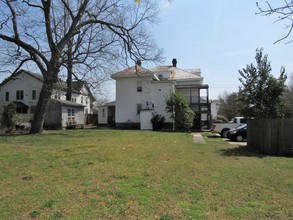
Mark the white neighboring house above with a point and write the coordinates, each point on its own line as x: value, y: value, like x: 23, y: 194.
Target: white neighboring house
x: 23, y: 89
x: 106, y: 114
x: 140, y: 94
x: 215, y: 105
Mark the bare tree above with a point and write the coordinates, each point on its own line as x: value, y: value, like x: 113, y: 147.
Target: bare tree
x: 90, y: 35
x: 229, y: 105
x: 288, y: 98
x: 284, y: 13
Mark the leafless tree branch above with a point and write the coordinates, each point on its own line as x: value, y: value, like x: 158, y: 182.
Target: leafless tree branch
x: 89, y: 38
x: 283, y: 13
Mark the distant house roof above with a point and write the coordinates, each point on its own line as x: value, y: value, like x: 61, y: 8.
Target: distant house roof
x: 66, y: 103
x: 76, y: 85
x: 113, y: 103
x: 175, y: 73
x: 20, y: 104
x: 61, y: 85
x: 15, y: 75
x: 133, y: 71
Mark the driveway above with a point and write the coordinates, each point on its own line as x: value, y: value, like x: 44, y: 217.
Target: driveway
x: 243, y: 143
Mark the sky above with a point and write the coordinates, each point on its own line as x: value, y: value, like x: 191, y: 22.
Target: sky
x: 221, y: 37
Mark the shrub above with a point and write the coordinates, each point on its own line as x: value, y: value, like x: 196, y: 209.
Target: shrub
x: 9, y: 116
x: 180, y: 111
x: 158, y: 121
x: 221, y: 118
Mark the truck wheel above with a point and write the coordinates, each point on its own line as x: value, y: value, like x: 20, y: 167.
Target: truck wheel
x: 224, y: 133
x: 239, y: 138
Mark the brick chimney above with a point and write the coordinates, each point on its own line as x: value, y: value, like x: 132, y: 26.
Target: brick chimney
x: 138, y: 62
x: 174, y: 62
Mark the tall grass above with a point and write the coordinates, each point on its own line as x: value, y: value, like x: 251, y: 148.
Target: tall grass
x: 113, y: 174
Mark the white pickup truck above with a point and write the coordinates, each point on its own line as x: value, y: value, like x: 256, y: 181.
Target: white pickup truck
x: 223, y: 128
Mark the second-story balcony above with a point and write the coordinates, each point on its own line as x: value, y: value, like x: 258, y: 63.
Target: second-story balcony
x: 195, y: 100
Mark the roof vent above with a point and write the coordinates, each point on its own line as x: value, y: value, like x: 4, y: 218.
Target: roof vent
x: 174, y: 62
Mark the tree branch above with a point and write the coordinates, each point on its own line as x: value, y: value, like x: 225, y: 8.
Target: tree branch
x: 284, y: 12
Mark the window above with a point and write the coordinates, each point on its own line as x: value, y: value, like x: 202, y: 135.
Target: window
x: 103, y: 113
x: 138, y: 108
x: 57, y: 96
x: 71, y: 114
x: 139, y: 86
x: 81, y: 100
x: 34, y: 94
x: 243, y: 120
x: 21, y: 110
x: 19, y: 95
x: 7, y: 96
x: 71, y: 117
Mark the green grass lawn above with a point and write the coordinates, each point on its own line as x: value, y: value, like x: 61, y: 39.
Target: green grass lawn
x: 114, y: 174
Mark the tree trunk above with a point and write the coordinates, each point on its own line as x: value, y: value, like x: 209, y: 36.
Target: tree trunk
x: 69, y: 72
x: 69, y: 84
x: 41, y: 109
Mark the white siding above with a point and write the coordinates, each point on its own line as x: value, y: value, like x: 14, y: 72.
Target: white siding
x: 153, y: 93
x: 127, y: 99
x: 215, y: 104
x: 84, y: 99
x: 23, y: 82
x: 79, y: 115
x: 103, y: 115
x: 159, y: 92
x: 145, y: 120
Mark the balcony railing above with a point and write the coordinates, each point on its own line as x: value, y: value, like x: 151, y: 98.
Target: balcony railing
x: 194, y: 100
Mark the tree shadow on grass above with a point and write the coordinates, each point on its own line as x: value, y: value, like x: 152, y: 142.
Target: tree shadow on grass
x: 214, y: 136
x: 242, y: 151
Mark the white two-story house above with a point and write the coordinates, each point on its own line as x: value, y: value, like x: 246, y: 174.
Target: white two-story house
x: 140, y: 94
x: 23, y: 89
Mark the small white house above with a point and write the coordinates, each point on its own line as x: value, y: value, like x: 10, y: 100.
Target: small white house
x: 23, y: 89
x: 106, y: 114
x: 140, y: 94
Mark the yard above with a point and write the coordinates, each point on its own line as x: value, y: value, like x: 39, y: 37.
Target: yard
x: 114, y: 174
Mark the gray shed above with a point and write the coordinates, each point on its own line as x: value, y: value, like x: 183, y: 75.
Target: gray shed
x: 64, y: 114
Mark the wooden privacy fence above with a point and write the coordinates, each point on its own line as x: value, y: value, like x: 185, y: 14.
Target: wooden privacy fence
x: 271, y: 136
